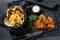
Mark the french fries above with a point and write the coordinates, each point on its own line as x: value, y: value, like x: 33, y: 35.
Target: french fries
x: 15, y: 16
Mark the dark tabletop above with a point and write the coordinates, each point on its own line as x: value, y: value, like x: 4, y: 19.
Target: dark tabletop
x: 53, y: 35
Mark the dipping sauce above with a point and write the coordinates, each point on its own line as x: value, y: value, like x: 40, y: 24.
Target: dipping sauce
x: 36, y: 9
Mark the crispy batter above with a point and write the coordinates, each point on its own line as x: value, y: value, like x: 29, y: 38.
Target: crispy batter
x: 42, y: 18
x: 43, y: 23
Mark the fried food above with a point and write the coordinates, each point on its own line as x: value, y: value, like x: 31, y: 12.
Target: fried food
x: 42, y: 18
x: 43, y: 23
x: 50, y: 23
x: 50, y: 20
x: 51, y: 26
x: 40, y: 25
x: 15, y: 16
x: 46, y: 21
x: 43, y: 26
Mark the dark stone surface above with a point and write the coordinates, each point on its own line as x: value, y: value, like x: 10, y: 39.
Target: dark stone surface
x: 54, y: 35
x: 4, y: 34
